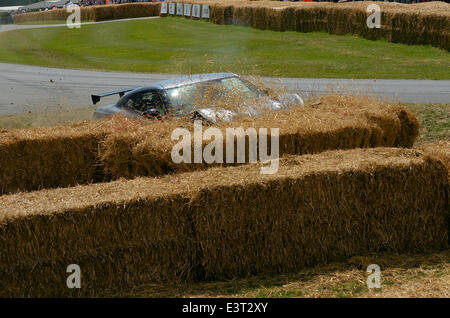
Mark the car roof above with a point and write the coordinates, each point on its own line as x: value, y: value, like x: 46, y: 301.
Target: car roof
x: 192, y: 79
x: 182, y: 81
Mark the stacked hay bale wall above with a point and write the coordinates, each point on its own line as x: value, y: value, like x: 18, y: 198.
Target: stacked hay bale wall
x: 99, y: 151
x: 117, y: 243
x: 421, y: 24
x: 125, y: 11
x: 95, y: 13
x: 302, y: 221
x: 338, y: 122
x: 222, y: 222
x: 32, y: 159
x: 440, y: 150
x: 87, y: 14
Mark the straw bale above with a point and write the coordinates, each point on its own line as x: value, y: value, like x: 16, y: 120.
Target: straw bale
x: 116, y: 243
x: 223, y: 222
x: 439, y: 149
x: 338, y: 122
x: 360, y: 205
x: 95, y: 13
x: 49, y: 157
x: 110, y: 149
x: 423, y: 23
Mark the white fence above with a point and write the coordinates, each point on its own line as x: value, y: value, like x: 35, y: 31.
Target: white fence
x: 199, y: 11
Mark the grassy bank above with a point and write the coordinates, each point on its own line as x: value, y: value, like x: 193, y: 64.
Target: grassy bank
x: 46, y: 118
x: 174, y: 45
x: 434, y: 119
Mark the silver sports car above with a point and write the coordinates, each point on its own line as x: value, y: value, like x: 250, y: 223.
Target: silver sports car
x: 181, y: 96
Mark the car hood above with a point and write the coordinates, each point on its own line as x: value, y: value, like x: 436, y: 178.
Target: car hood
x: 216, y: 115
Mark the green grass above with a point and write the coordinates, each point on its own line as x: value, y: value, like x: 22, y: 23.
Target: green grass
x: 46, y: 118
x: 348, y: 289
x: 434, y: 120
x: 177, y: 45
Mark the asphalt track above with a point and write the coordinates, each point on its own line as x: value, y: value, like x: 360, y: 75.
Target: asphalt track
x: 25, y: 89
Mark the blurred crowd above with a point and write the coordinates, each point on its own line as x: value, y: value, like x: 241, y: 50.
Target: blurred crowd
x: 85, y: 3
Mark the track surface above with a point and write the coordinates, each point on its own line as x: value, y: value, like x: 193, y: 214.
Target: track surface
x: 33, y: 89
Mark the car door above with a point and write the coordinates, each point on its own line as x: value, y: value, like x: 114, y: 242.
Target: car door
x: 145, y: 102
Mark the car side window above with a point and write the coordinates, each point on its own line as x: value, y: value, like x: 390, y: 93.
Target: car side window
x: 144, y: 101
x: 182, y: 99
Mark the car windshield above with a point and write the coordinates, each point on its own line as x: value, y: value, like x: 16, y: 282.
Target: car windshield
x: 185, y: 98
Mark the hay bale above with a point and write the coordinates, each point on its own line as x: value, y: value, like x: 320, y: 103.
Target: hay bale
x: 117, y: 243
x: 339, y: 122
x: 58, y: 14
x: 424, y: 23
x: 100, y: 151
x: 409, y: 129
x: 95, y: 13
x: 222, y: 222
x: 38, y: 158
x: 323, y: 208
x: 125, y: 11
x: 440, y: 150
